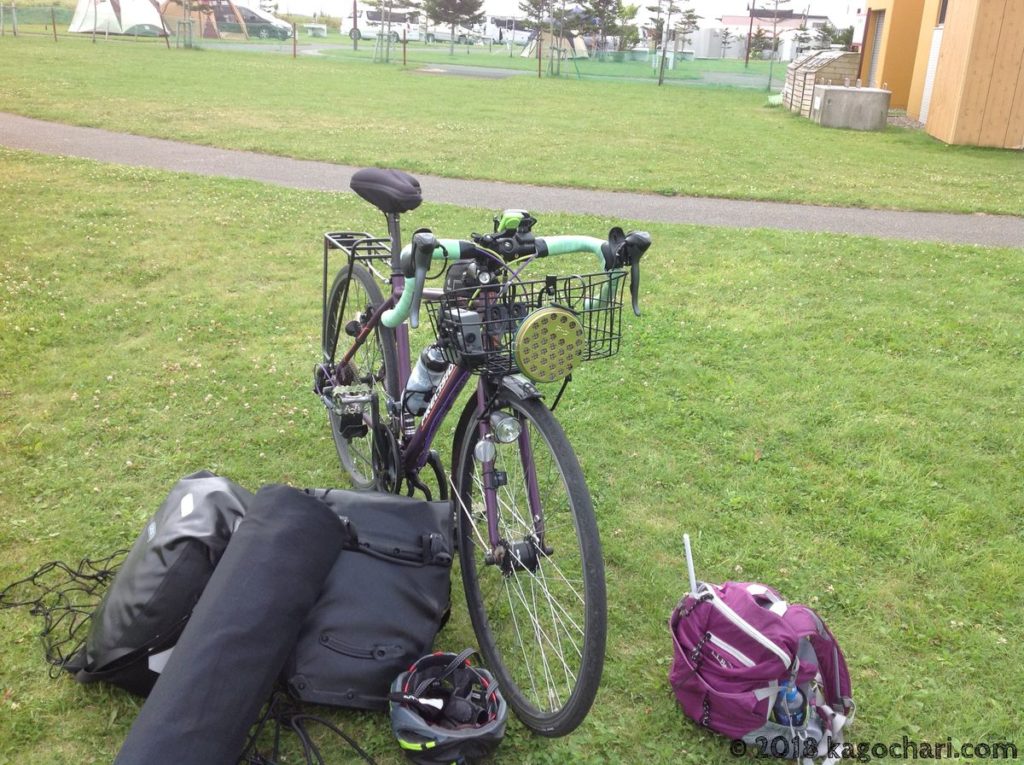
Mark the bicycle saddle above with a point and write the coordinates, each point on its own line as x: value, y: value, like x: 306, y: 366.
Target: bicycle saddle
x: 390, y: 191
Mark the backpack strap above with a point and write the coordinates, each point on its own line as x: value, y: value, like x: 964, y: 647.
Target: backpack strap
x: 835, y: 677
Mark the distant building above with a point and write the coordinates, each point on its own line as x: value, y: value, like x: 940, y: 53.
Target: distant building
x: 707, y: 42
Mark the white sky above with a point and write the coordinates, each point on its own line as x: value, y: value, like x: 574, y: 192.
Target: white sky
x: 841, y: 12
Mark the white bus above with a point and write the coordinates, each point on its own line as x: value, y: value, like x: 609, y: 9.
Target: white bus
x: 504, y: 29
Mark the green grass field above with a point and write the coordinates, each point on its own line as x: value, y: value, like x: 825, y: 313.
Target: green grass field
x: 836, y: 416
x: 554, y: 131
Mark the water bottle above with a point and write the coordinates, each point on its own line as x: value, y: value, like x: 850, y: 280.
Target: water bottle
x: 424, y: 380
x: 789, y: 705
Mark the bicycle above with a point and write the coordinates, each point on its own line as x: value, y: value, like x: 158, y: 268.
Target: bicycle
x: 528, y: 543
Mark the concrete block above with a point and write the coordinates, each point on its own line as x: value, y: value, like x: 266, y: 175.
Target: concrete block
x: 837, y: 106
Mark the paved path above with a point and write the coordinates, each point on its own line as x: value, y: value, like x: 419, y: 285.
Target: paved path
x: 54, y: 138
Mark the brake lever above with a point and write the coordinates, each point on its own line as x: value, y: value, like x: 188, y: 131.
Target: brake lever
x: 423, y: 245
x: 634, y: 246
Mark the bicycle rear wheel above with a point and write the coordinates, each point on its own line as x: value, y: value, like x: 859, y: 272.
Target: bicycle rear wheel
x: 372, y: 370
x: 539, y: 613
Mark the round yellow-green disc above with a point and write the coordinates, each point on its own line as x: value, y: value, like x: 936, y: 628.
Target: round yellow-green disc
x: 549, y: 344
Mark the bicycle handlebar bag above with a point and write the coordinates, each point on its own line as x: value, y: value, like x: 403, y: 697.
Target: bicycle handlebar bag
x: 383, y: 603
x: 158, y: 584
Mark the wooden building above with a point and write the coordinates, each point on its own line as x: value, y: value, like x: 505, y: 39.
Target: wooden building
x: 955, y: 65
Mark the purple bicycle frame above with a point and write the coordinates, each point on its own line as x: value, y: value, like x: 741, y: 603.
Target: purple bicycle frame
x: 416, y: 449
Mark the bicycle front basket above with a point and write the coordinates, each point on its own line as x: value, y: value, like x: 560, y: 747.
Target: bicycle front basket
x: 541, y: 328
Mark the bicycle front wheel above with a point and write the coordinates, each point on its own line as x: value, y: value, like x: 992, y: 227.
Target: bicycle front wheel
x: 373, y: 370
x: 537, y: 599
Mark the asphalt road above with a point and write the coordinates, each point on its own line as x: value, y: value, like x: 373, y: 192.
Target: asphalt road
x: 57, y: 139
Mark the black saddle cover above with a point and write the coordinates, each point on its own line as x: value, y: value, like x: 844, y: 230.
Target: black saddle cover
x: 390, y: 191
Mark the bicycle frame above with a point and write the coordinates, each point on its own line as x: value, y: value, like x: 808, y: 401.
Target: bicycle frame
x: 415, y: 445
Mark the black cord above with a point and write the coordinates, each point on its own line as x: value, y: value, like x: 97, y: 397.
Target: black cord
x: 65, y: 605
x: 288, y: 715
x: 302, y: 718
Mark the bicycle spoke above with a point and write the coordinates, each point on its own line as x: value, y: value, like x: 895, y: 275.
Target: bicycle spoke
x: 369, y: 371
x: 537, y: 599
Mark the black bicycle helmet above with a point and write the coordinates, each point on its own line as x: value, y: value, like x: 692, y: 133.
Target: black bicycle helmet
x: 445, y: 710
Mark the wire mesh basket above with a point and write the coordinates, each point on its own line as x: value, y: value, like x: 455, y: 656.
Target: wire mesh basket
x: 540, y: 327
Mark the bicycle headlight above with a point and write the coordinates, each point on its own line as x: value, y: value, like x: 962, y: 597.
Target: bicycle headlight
x: 549, y: 344
x: 505, y: 427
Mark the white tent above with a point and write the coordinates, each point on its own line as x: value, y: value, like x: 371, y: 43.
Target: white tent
x: 566, y: 46
x: 117, y: 17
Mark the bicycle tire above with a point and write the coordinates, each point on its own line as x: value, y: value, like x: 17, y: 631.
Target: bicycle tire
x: 569, y: 632
x: 375, y: 367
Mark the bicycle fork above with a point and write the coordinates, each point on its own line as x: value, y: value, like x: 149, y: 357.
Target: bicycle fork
x: 509, y: 554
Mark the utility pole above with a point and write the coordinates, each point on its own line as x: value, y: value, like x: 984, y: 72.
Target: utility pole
x: 775, y: 41
x: 750, y: 33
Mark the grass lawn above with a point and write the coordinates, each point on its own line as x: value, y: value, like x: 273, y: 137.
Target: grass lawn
x: 555, y: 131
x: 839, y: 417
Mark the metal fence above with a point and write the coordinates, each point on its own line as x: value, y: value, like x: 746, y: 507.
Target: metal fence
x: 489, y: 60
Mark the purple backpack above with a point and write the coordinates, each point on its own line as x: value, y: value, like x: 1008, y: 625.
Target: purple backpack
x: 735, y: 645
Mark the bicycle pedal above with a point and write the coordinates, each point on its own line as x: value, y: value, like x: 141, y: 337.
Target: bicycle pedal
x: 351, y: 410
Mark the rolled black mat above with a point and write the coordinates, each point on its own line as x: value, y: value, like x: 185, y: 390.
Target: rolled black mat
x: 241, y: 632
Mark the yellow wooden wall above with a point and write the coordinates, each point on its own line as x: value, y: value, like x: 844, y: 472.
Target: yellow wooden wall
x: 978, y: 94
x: 896, y: 57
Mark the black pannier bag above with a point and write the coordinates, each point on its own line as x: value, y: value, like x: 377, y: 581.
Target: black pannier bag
x: 383, y: 603
x: 152, y: 596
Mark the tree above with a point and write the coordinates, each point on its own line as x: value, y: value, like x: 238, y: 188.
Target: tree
x: 760, y: 41
x: 602, y: 16
x: 535, y: 11
x: 454, y: 12
x: 685, y: 23
x: 802, y: 37
x: 825, y: 35
x: 845, y: 37
x: 775, y: 27
x: 727, y: 40
x: 629, y: 35
x: 680, y: 29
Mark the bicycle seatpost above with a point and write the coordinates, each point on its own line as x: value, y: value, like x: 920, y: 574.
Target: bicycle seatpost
x: 395, y: 233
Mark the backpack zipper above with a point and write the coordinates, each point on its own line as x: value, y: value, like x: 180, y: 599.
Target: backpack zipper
x: 736, y: 653
x: 748, y: 628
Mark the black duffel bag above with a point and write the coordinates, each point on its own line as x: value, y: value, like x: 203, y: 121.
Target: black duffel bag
x: 384, y: 601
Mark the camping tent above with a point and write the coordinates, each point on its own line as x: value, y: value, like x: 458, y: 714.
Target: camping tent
x: 567, y: 45
x: 201, y: 15
x: 118, y: 17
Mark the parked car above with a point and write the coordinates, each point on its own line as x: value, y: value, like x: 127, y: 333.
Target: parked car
x: 443, y: 33
x: 258, y: 23
x: 265, y: 25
